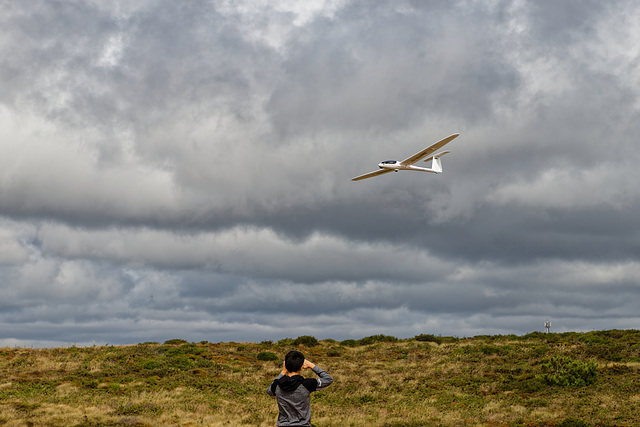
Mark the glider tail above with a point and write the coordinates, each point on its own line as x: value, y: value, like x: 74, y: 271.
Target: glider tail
x: 436, y: 164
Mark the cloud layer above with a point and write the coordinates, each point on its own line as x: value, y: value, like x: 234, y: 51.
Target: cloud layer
x: 182, y: 170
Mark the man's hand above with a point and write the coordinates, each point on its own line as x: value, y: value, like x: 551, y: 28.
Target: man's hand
x: 308, y: 365
x: 284, y: 369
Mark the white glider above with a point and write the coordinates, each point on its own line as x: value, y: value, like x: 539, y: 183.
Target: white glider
x: 407, y: 164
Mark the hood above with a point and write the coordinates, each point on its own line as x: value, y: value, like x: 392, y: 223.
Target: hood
x: 288, y: 383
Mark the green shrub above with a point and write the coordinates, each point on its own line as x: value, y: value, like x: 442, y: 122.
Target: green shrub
x: 492, y: 350
x: 540, y: 351
x: 428, y: 338
x: 175, y: 341
x: 609, y: 352
x: 149, y: 364
x: 267, y: 356
x: 285, y: 342
x: 349, y: 343
x: 181, y: 362
x: 537, y: 335
x: 377, y: 338
x: 306, y: 340
x: 565, y: 372
x: 594, y: 339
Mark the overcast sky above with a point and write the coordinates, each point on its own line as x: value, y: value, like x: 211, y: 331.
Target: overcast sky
x: 181, y: 169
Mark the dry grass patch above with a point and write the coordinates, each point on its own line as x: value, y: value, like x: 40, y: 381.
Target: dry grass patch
x: 379, y: 381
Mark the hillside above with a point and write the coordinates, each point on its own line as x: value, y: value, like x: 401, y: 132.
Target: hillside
x: 569, y: 379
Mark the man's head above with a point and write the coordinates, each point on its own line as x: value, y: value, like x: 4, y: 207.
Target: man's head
x: 293, y: 361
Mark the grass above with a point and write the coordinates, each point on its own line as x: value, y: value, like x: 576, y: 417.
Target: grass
x: 569, y: 379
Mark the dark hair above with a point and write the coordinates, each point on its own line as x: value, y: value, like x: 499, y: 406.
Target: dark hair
x: 293, y: 361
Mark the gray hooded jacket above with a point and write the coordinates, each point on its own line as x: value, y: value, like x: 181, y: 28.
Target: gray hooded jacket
x: 293, y: 393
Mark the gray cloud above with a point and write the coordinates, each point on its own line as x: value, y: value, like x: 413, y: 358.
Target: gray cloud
x: 183, y: 170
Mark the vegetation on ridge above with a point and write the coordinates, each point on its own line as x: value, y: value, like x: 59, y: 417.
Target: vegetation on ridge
x: 568, y: 379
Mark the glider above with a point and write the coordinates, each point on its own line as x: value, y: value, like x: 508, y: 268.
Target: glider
x: 407, y: 164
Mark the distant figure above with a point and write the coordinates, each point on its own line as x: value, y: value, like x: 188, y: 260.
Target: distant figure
x: 292, y: 390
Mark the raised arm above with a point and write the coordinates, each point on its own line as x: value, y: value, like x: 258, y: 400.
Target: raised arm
x: 324, y: 378
x: 271, y: 389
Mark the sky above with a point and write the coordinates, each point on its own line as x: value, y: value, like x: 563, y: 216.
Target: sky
x: 183, y: 169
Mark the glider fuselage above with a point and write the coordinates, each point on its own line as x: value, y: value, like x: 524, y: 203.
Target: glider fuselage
x: 394, y: 165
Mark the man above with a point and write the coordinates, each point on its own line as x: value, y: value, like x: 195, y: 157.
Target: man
x: 292, y: 390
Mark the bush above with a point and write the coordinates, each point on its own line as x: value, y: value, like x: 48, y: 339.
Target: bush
x: 149, y: 364
x: 307, y: 340
x: 285, y: 342
x: 565, y: 372
x: 608, y: 352
x: 175, y: 341
x: 492, y: 350
x: 181, y: 362
x: 540, y: 351
x: 267, y: 356
x: 377, y: 338
x: 429, y: 338
x: 537, y: 335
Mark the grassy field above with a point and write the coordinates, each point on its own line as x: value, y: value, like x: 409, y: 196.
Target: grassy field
x: 568, y: 379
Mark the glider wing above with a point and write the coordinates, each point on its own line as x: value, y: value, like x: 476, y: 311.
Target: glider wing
x: 424, y: 153
x: 371, y: 174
